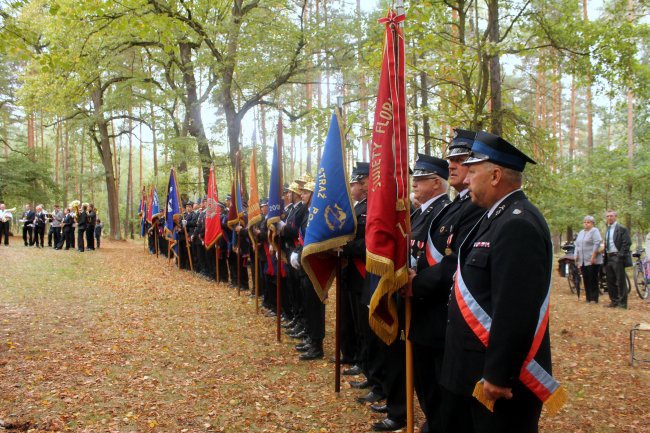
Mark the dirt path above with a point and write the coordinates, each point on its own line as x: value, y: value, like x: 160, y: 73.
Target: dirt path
x: 116, y: 340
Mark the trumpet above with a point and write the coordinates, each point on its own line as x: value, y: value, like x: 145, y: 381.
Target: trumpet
x: 74, y: 208
x: 6, y: 218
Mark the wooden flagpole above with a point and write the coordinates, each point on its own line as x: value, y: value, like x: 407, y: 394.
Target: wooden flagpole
x: 216, y: 260
x: 187, y: 245
x: 407, y: 304
x: 155, y: 237
x: 257, y: 277
x: 278, y: 284
x: 238, y: 265
x: 278, y: 289
x: 337, y: 332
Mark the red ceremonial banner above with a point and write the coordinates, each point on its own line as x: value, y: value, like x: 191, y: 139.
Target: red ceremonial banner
x: 213, y: 229
x: 387, y: 221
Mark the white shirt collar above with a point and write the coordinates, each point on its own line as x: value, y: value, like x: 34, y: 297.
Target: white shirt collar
x: 495, y: 205
x: 428, y: 203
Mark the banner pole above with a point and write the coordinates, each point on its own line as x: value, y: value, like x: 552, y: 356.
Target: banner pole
x: 257, y: 278
x: 155, y: 237
x: 337, y: 332
x: 238, y: 265
x: 278, y: 291
x: 216, y: 261
x: 399, y: 6
x: 187, y: 247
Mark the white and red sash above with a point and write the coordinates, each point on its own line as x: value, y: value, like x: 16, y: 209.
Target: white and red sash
x: 432, y: 254
x: 532, y: 375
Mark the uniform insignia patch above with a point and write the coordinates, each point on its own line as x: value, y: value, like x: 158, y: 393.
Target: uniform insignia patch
x: 516, y: 211
x: 500, y: 209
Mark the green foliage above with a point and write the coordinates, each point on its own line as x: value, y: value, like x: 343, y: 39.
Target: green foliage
x: 26, y: 181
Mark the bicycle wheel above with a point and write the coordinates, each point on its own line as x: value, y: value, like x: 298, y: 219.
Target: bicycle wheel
x: 602, y: 280
x: 640, y: 283
x: 569, y: 277
x: 577, y: 280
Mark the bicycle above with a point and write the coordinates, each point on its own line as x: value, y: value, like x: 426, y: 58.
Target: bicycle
x: 602, y: 281
x: 568, y: 268
x: 641, y: 277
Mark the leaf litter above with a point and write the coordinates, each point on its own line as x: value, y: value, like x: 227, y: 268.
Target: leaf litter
x: 129, y: 343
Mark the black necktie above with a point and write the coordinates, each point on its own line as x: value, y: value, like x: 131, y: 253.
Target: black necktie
x: 607, y: 239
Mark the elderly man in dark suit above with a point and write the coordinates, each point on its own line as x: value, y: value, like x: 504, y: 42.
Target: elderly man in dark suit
x: 617, y: 258
x: 433, y: 280
x: 497, y: 346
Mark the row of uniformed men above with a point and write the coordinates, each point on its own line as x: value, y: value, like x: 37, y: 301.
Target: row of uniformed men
x: 480, y: 273
x: 489, y: 234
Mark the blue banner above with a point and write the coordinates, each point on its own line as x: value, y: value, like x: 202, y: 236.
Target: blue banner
x: 155, y: 204
x: 332, y: 222
x: 276, y: 204
x: 143, y: 220
x: 172, y: 209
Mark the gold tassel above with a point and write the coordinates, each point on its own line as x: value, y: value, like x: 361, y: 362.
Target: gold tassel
x: 480, y: 396
x: 555, y: 402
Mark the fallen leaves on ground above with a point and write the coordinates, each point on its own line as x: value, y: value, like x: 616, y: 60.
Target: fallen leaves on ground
x: 118, y: 340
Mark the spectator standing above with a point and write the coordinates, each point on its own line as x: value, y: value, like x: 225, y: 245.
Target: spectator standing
x: 587, y: 257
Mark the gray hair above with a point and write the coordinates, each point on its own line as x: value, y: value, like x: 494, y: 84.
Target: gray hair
x: 590, y: 219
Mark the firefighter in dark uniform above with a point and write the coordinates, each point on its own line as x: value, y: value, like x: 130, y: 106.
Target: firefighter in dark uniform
x: 191, y: 218
x: 259, y: 251
x: 353, y: 275
x: 199, y: 237
x: 182, y: 240
x: 430, y: 190
x: 231, y: 255
x: 434, y: 279
x: 222, y: 249
x: 292, y: 295
x: 499, y: 299
x: 314, y: 309
x: 243, y: 245
x: 369, y: 348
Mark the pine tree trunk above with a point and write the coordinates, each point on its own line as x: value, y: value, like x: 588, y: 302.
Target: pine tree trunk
x: 573, y: 121
x: 590, y: 117
x: 265, y: 167
x: 155, y: 144
x: 128, y: 229
x: 495, y: 67
x: 365, y: 134
x: 92, y: 176
x: 57, y: 146
x: 81, y: 171
x: 424, y: 105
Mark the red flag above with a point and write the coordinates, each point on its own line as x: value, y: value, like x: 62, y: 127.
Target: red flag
x: 387, y: 221
x: 149, y: 205
x: 213, y: 229
x: 236, y: 210
x: 254, y: 210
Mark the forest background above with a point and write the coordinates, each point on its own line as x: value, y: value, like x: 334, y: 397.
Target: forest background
x: 99, y: 99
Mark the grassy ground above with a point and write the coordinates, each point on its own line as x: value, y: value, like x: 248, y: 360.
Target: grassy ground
x: 118, y: 341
